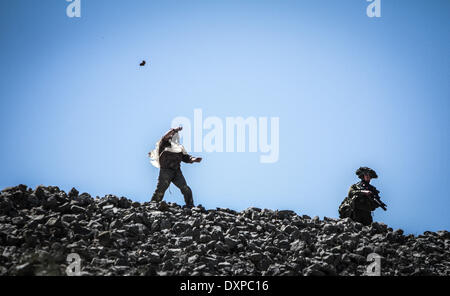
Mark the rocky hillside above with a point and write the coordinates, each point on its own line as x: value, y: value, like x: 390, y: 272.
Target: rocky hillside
x: 115, y: 236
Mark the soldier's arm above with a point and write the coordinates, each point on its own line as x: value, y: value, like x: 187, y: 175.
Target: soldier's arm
x: 352, y: 191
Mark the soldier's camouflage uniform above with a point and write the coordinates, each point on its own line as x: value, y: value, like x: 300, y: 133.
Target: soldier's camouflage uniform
x: 361, y: 204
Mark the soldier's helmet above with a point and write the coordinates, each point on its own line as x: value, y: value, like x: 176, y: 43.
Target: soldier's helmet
x: 366, y: 171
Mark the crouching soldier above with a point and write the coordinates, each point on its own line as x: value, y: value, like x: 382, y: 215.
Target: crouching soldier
x: 167, y: 156
x: 362, y: 198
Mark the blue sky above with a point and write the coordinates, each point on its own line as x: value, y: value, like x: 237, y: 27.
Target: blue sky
x: 76, y: 110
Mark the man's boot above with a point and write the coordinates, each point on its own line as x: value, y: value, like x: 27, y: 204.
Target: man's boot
x: 188, y: 199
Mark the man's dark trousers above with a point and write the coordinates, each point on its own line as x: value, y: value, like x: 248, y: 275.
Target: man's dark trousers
x: 176, y: 177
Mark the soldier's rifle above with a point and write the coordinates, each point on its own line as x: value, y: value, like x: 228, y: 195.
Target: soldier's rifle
x: 377, y: 200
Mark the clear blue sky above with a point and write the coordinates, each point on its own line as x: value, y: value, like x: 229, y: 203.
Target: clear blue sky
x: 76, y: 110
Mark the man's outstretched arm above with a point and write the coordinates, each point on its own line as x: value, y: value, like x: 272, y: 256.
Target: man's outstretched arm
x: 190, y: 159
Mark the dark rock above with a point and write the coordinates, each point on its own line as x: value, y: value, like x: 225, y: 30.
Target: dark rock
x: 289, y: 229
x: 40, y: 193
x: 68, y: 218
x: 283, y: 244
x: 51, y: 203
x: 129, y: 218
x: 298, y: 245
x: 25, y: 269
x: 154, y: 258
x: 330, y: 228
x: 357, y: 258
x: 231, y: 243
x: 124, y: 203
x: 53, y: 222
x: 64, y: 208
x: 77, y: 228
x: 284, y: 214
x: 179, y: 227
x: 104, y: 238
x: 19, y: 221
x: 77, y: 209
x: 273, y: 250
x: 184, y: 241
x: 165, y: 224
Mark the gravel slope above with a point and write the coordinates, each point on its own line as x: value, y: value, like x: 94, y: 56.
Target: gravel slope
x: 115, y: 236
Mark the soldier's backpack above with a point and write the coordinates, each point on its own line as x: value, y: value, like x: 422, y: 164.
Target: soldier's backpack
x: 346, y: 208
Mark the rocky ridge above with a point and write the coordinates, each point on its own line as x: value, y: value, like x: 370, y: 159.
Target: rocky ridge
x: 115, y: 236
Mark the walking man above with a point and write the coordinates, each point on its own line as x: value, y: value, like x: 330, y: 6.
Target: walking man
x: 167, y: 156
